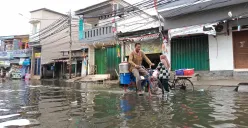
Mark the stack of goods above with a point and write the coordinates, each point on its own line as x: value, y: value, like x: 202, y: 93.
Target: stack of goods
x: 16, y: 72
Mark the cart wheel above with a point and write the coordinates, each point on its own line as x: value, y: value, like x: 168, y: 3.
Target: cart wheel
x: 184, y: 84
x: 188, y: 85
x: 178, y: 84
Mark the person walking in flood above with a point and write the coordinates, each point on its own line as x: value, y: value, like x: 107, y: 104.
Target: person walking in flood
x: 164, y: 72
x: 135, y: 60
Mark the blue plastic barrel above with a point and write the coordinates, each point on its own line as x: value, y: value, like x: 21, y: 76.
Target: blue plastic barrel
x: 125, y: 78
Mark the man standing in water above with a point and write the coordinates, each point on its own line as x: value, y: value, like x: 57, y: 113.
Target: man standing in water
x: 135, y: 60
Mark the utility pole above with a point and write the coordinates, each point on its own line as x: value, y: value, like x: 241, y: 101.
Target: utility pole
x: 70, y: 19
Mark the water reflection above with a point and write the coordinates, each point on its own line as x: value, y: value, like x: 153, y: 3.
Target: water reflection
x: 55, y: 104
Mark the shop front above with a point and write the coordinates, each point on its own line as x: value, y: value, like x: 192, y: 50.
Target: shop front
x: 4, y: 67
x: 189, y: 47
x: 150, y: 44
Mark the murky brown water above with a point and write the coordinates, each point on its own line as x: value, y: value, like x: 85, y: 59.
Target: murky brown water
x: 58, y: 105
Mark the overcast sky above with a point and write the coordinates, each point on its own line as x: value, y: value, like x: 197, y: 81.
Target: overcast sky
x: 11, y: 23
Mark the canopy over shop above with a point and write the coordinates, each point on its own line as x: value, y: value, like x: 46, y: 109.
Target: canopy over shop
x: 151, y: 46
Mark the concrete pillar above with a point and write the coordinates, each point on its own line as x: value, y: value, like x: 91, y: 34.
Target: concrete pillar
x: 91, y: 56
x: 122, y: 52
x: 167, y: 50
x: 32, y: 61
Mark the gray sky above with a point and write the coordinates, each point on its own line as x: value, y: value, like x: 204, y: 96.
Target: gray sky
x: 11, y: 23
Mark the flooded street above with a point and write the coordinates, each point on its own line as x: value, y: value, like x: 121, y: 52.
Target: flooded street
x: 60, y: 105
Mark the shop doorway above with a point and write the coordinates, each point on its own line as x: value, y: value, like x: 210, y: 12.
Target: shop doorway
x: 240, y: 49
x: 155, y: 58
x: 107, y: 61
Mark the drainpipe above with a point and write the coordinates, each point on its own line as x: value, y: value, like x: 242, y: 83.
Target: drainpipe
x: 76, y: 68
x: 53, y: 69
x: 124, y: 50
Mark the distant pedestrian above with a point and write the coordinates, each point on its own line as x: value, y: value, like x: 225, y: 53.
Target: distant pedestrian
x: 164, y: 72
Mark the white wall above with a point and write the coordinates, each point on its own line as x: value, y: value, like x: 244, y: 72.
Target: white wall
x: 48, y: 15
x: 52, y: 44
x: 221, y: 52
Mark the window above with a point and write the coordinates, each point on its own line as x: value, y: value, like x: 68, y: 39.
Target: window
x: 23, y: 45
x: 91, y: 33
x: 97, y: 32
x: 88, y: 34
x: 115, y: 7
x: 110, y: 29
x: 103, y: 30
x: 85, y: 34
x: 100, y: 31
x: 94, y: 34
x: 106, y: 30
x: 35, y: 28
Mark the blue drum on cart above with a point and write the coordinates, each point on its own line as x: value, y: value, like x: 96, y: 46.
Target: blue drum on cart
x: 125, y: 78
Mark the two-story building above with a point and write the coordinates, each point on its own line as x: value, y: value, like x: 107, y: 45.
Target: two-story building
x: 105, y: 27
x: 15, y: 55
x: 50, y: 34
x: 208, y: 35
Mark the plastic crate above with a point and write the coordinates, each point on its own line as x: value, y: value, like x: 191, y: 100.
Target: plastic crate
x: 189, y: 72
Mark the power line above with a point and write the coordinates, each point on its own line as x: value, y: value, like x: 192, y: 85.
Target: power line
x: 50, y: 27
x: 151, y: 5
x: 147, y: 6
x: 63, y: 27
x: 52, y: 24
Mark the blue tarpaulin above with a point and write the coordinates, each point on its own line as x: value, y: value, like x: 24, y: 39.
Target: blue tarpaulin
x: 26, y: 62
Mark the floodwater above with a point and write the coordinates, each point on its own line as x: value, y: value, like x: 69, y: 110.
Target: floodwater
x: 58, y: 105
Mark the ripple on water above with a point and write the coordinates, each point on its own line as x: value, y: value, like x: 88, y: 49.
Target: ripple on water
x: 19, y: 123
x: 85, y: 106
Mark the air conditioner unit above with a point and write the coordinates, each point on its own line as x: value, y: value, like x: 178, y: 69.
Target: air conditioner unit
x: 221, y: 28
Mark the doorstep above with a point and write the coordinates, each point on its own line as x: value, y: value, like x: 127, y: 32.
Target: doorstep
x: 219, y: 82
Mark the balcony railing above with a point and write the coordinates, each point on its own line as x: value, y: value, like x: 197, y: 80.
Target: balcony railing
x: 34, y: 39
x: 102, y: 32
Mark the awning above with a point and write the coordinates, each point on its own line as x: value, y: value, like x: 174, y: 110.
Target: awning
x: 74, y: 49
x: 61, y: 60
x: 140, y: 38
x: 192, y: 30
x: 15, y: 61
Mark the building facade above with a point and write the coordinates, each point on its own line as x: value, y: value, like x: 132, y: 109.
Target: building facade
x: 209, y: 36
x: 15, y: 56
x: 103, y: 23
x: 50, y: 34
